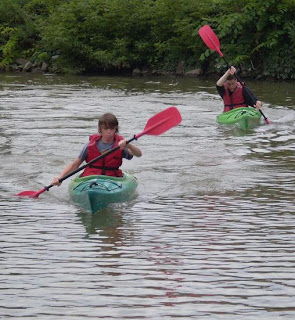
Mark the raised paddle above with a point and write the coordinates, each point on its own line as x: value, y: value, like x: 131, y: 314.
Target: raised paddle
x: 212, y: 42
x: 156, y: 125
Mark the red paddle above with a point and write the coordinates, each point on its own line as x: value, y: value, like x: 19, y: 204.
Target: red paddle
x: 156, y: 125
x: 212, y: 42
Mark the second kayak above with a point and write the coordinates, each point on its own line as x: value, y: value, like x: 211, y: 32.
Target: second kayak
x: 244, y: 118
x: 94, y: 193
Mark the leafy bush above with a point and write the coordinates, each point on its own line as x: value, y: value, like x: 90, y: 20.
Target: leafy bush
x: 257, y: 35
x: 101, y: 35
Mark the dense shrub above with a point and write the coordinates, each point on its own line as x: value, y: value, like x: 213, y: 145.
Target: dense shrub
x: 102, y: 35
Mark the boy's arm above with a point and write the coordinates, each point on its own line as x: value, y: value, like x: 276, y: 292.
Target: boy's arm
x: 131, y: 148
x: 221, y: 81
x: 135, y: 151
x: 69, y: 168
x: 250, y: 98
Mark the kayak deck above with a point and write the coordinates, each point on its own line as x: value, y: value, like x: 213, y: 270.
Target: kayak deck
x: 244, y: 118
x: 94, y: 193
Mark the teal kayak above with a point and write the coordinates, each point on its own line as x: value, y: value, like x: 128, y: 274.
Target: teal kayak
x: 244, y: 118
x: 94, y: 193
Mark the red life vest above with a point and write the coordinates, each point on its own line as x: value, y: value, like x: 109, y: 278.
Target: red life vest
x: 108, y: 165
x: 235, y: 99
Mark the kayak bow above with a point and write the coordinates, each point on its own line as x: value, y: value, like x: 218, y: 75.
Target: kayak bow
x: 244, y: 118
x: 94, y: 193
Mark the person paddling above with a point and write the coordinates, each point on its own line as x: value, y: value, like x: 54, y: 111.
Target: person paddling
x: 99, y: 143
x: 233, y: 93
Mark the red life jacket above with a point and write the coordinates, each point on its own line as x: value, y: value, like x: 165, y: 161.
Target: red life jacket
x: 108, y: 165
x: 235, y: 99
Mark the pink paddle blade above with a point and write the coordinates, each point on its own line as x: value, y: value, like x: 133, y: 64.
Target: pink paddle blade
x: 31, y: 194
x: 161, y: 122
x: 210, y: 39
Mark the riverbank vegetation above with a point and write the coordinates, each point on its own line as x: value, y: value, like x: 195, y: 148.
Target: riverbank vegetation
x: 150, y: 36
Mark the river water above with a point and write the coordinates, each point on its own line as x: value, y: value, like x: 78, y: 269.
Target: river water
x: 210, y: 234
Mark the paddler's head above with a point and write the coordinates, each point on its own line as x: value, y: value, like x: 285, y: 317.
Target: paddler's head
x: 108, y: 121
x: 231, y: 82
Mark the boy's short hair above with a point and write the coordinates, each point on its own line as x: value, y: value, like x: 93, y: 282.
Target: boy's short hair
x: 231, y: 77
x: 108, y: 121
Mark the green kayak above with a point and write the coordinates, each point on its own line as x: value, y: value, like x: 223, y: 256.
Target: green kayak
x: 94, y: 193
x: 243, y: 118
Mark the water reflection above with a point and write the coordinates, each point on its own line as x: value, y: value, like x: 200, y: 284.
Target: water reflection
x: 107, y: 224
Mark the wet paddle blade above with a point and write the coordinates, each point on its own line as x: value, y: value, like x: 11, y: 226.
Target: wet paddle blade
x: 210, y: 39
x: 161, y: 122
x: 31, y: 194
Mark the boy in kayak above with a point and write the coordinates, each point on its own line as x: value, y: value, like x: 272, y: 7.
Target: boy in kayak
x: 99, y: 143
x: 233, y: 93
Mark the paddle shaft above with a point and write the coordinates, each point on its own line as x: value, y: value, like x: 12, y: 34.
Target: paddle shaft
x: 135, y: 137
x: 156, y: 125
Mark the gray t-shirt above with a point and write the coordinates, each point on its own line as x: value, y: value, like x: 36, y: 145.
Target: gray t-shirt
x: 102, y: 146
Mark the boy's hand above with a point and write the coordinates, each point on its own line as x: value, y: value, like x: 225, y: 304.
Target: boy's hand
x: 122, y: 144
x: 258, y: 104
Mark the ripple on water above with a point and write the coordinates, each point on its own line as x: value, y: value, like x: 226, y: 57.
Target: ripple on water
x: 210, y: 234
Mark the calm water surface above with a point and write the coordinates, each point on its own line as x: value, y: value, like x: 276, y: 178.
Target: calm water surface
x: 210, y: 234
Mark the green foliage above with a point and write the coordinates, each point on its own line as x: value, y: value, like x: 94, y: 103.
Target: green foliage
x: 101, y: 35
x: 18, y: 33
x: 8, y: 49
x: 119, y: 34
